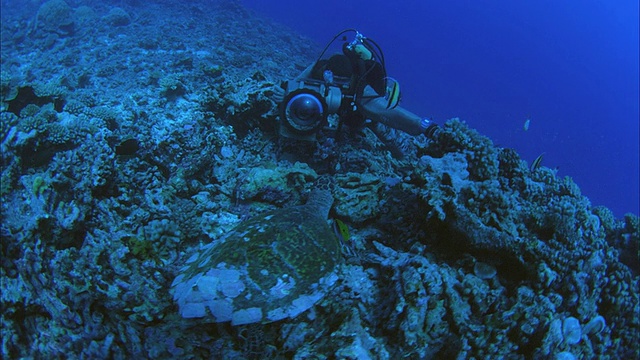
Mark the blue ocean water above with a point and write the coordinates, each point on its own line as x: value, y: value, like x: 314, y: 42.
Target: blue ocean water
x: 570, y: 67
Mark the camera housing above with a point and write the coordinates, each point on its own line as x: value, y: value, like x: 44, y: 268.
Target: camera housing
x: 306, y: 105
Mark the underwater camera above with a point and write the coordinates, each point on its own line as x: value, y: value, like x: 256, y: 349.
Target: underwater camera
x: 324, y: 90
x: 306, y: 106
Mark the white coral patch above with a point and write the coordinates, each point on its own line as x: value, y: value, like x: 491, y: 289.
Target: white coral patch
x: 224, y: 275
x: 177, y: 280
x: 221, y: 309
x: 283, y: 287
x: 204, y: 262
x: 277, y: 314
x: 192, y: 258
x: 232, y: 289
x: 246, y: 316
x: 208, y: 286
x: 192, y: 310
x: 303, y: 303
x: 329, y: 280
x: 183, y: 288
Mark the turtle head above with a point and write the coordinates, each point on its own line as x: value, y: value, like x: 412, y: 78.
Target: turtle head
x: 325, y: 182
x: 321, y: 196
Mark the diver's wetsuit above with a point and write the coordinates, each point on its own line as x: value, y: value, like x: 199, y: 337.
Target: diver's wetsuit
x: 375, y: 108
x: 368, y: 91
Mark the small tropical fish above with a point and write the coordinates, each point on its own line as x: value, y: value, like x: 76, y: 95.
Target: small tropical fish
x: 392, y: 93
x: 341, y: 230
x: 536, y: 163
x: 526, y: 124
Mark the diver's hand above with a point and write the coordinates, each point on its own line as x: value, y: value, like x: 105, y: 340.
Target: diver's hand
x: 430, y: 129
x: 277, y: 93
x: 433, y: 131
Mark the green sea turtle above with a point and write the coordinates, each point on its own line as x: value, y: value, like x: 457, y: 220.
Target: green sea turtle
x: 270, y: 267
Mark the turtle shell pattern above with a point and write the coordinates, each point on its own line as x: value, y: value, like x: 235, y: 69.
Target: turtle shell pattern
x: 270, y: 267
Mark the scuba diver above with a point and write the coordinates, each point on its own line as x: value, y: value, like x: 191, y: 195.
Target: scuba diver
x: 353, y: 89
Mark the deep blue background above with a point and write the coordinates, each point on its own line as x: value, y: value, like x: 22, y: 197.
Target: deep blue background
x: 571, y: 66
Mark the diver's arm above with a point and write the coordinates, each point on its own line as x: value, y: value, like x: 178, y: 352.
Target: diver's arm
x: 374, y: 107
x: 306, y: 74
x: 279, y: 92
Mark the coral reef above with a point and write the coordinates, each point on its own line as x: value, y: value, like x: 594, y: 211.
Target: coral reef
x: 133, y: 134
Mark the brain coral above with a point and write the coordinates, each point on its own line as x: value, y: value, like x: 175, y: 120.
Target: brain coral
x: 54, y: 15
